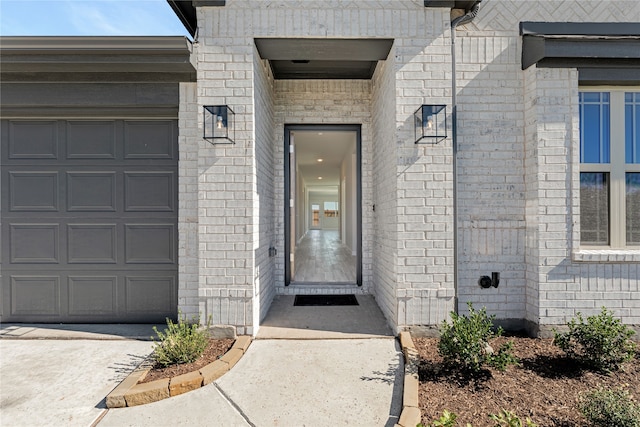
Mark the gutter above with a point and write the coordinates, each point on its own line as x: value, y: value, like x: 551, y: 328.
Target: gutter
x: 461, y: 20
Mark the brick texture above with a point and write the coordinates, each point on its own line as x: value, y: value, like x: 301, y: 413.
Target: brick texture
x: 518, y: 181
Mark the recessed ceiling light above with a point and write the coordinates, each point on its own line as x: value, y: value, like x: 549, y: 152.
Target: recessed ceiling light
x: 320, y: 160
x: 319, y: 177
x: 320, y: 133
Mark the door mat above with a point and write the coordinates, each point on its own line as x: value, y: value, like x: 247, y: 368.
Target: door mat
x: 324, y: 300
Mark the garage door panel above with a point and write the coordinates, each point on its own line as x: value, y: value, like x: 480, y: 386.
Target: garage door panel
x: 150, y: 294
x: 150, y: 244
x: 33, y: 191
x: 92, y: 243
x: 91, y: 140
x: 91, y: 191
x: 149, y: 191
x: 33, y: 140
x: 91, y: 295
x: 89, y: 220
x: 34, y: 243
x: 35, y: 295
x: 149, y: 140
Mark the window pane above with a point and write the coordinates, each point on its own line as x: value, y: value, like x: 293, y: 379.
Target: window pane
x: 631, y: 122
x: 594, y: 208
x: 594, y: 127
x: 633, y: 208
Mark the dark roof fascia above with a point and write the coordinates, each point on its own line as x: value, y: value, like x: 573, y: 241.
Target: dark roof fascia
x: 607, y: 75
x: 83, y: 45
x: 186, y: 11
x: 452, y: 4
x: 123, y: 58
x: 573, y: 44
x: 603, y: 29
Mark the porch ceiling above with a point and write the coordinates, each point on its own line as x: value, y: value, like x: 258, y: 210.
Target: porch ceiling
x: 323, y: 58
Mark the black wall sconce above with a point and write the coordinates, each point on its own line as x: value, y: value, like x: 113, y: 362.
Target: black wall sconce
x: 430, y: 124
x: 219, y: 124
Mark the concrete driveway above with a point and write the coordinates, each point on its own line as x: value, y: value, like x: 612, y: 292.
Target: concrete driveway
x: 62, y: 382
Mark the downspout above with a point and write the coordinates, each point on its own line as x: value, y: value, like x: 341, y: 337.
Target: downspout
x: 461, y: 20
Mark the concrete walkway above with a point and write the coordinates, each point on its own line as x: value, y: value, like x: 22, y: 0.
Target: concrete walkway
x: 59, y: 375
x: 289, y: 383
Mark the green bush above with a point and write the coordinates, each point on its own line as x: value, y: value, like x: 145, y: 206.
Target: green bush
x: 448, y: 419
x: 601, y: 341
x: 509, y: 419
x: 182, y: 342
x: 606, y: 408
x: 465, y: 342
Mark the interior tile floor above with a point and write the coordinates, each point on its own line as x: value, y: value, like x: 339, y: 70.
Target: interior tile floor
x: 321, y: 257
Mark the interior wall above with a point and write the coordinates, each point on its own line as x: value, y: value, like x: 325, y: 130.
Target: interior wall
x: 325, y: 222
x: 349, y: 205
x: 301, y: 207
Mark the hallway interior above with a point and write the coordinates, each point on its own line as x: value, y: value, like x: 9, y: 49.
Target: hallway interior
x: 321, y: 257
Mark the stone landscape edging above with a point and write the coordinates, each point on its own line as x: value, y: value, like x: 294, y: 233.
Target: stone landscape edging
x: 130, y: 393
x: 410, y: 415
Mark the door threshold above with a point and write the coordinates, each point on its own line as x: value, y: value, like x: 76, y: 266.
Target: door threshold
x: 303, y: 284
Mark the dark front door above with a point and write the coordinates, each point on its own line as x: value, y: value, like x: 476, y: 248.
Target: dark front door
x: 323, y: 209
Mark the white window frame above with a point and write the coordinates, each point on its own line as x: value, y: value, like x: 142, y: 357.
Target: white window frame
x: 617, y: 168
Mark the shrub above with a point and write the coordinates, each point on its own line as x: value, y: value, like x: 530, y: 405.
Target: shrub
x: 448, y: 419
x: 509, y: 419
x: 182, y: 342
x: 601, y: 341
x: 605, y: 408
x: 466, y: 342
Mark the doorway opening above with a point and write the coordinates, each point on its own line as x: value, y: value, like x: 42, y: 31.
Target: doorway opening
x: 323, y: 227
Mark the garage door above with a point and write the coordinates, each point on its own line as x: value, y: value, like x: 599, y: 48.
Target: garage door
x: 89, y: 220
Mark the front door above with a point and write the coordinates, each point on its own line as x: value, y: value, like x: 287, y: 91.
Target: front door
x: 323, y: 236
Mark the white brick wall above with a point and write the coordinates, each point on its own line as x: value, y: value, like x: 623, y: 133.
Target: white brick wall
x: 188, y: 141
x: 264, y: 213
x: 519, y: 185
x: 324, y: 102
x: 385, y: 190
x: 518, y: 179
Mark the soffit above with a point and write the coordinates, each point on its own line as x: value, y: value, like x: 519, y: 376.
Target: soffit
x: 323, y: 58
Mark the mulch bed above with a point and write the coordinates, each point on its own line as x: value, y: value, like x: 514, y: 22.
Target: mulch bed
x: 215, y: 349
x: 544, y: 387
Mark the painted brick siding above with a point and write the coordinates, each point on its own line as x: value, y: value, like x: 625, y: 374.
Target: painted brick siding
x: 227, y: 180
x: 517, y: 158
x: 425, y: 291
x: 224, y: 54
x: 264, y: 213
x: 385, y: 217
x: 532, y: 199
x: 188, y: 141
x: 491, y: 187
x: 519, y: 173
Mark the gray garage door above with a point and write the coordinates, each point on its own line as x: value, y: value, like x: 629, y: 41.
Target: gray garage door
x: 89, y: 220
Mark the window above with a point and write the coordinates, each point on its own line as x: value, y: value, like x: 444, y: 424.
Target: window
x: 610, y: 168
